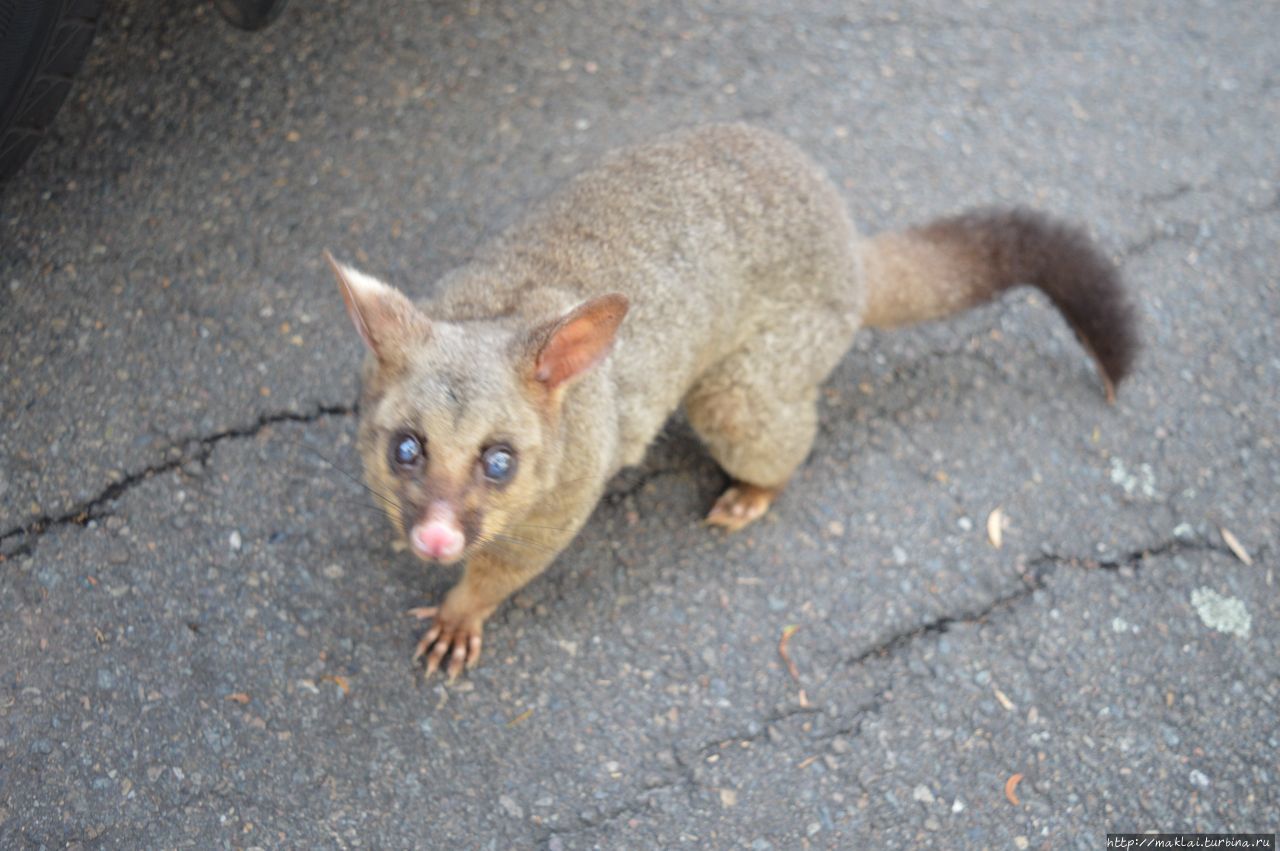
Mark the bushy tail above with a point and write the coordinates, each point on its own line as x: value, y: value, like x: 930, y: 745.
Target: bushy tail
x: 956, y: 263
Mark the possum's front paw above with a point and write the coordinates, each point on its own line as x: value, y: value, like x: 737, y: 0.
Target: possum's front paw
x: 452, y: 635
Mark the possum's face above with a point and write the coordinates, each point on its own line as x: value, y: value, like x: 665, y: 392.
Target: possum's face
x: 453, y: 442
x: 458, y: 420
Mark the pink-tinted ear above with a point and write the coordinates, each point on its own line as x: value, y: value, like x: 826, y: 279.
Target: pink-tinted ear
x: 579, y: 340
x: 387, y: 321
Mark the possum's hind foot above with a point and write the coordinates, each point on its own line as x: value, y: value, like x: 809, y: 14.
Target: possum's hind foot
x: 740, y: 505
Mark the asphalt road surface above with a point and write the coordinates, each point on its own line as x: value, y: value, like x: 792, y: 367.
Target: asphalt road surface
x: 202, y: 619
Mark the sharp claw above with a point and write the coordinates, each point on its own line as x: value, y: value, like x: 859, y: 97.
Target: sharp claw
x: 457, y: 661
x: 438, y: 649
x: 423, y: 612
x: 427, y: 640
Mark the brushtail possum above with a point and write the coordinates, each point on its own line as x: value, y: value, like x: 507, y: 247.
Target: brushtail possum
x: 716, y: 269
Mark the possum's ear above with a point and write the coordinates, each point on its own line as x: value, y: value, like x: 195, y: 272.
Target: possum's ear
x: 387, y: 321
x: 565, y: 348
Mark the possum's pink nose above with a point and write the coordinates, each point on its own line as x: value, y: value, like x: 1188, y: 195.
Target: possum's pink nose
x: 438, y: 536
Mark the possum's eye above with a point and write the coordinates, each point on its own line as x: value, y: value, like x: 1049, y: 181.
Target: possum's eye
x: 406, y: 450
x: 498, y: 463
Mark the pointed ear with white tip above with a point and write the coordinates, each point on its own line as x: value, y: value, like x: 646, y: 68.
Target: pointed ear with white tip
x: 569, y: 346
x: 387, y: 321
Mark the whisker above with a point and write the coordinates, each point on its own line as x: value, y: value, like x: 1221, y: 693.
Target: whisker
x: 498, y: 537
x: 363, y: 485
x: 297, y: 482
x: 535, y: 526
x: 380, y: 509
x: 383, y: 503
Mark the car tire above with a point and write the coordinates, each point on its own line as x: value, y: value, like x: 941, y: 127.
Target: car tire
x: 250, y: 14
x: 42, y: 44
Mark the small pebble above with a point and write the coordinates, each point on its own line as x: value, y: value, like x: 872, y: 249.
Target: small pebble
x: 513, y: 809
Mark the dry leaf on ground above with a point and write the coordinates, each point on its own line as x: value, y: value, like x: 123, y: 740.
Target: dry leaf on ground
x: 787, y: 632
x: 995, y: 527
x: 340, y: 682
x: 1011, y: 789
x: 521, y: 718
x: 1233, y: 544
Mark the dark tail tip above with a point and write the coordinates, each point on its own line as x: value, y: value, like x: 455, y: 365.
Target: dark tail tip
x: 1085, y: 285
x: 1061, y: 260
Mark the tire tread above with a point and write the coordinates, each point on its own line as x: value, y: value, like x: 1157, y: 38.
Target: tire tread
x: 49, y: 84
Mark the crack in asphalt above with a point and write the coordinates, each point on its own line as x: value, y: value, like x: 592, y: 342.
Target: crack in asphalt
x: 685, y: 777
x: 1036, y: 574
x: 1165, y: 196
x: 1035, y: 577
x: 196, y: 449
x: 775, y: 717
x: 1033, y: 580
x: 1181, y: 231
x: 1191, y: 231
